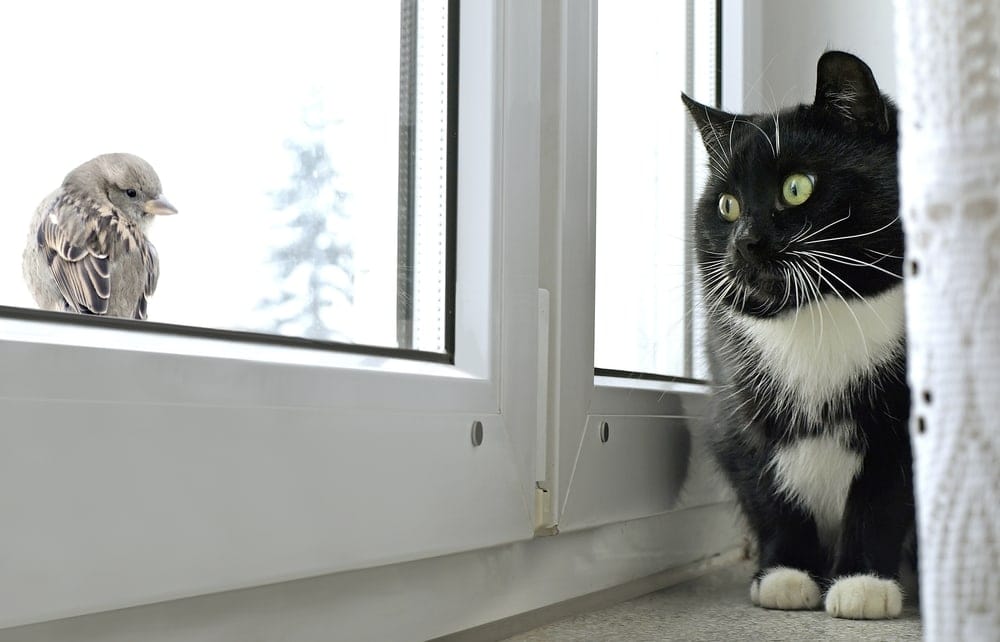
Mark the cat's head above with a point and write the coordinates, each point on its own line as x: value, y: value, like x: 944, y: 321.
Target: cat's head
x: 803, y: 203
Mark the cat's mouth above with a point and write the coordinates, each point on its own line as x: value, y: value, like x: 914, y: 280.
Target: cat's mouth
x: 763, y: 279
x: 760, y: 291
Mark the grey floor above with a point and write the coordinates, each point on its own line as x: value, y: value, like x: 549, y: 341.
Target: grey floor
x: 717, y: 607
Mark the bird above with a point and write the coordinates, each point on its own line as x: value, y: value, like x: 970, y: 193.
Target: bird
x: 88, y: 251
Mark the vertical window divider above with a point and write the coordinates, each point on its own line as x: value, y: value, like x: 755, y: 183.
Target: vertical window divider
x: 405, y: 236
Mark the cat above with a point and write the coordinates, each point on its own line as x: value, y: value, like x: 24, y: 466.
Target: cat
x: 799, y: 246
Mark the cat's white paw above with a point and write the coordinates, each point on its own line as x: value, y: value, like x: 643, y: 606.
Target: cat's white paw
x: 864, y: 597
x: 788, y: 589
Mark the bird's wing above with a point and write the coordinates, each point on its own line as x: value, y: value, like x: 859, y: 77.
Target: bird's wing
x: 77, y: 254
x: 151, y: 262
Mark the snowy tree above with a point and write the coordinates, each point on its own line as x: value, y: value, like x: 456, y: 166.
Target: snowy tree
x: 311, y: 255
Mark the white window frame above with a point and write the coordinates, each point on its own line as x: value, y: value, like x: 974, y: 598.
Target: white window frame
x: 651, y: 417
x: 142, y: 467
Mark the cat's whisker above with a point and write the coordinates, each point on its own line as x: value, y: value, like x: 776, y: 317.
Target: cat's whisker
x: 716, y: 288
x: 798, y: 300
x: 712, y: 269
x: 717, y: 165
x: 788, y: 285
x: 777, y: 121
x: 848, y: 286
x: 725, y: 294
x: 861, y: 330
x: 826, y: 227
x: 823, y: 300
x: 854, y: 236
x: 884, y: 255
x: 708, y: 279
x: 715, y: 134
x: 715, y: 265
x: 764, y: 133
x: 723, y: 279
x: 814, y: 297
x: 798, y: 237
x: 711, y: 287
x: 715, y: 283
x: 777, y: 135
x: 717, y: 297
x: 753, y: 86
x: 717, y: 169
x: 732, y: 127
x: 849, y: 261
x: 729, y: 299
x: 816, y: 303
x: 746, y: 294
x: 855, y: 262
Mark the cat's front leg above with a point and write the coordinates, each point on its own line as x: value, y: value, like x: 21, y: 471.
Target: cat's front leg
x: 792, y: 563
x: 878, y: 514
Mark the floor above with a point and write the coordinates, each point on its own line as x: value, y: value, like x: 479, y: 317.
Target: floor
x: 716, y: 607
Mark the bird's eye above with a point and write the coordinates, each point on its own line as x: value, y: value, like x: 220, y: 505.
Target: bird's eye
x: 729, y: 207
x: 131, y: 193
x: 797, y: 189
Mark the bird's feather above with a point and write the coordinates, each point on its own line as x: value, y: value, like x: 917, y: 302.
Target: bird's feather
x: 77, y: 236
x: 152, y: 263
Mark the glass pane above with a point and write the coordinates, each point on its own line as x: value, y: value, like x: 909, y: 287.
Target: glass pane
x: 643, y: 317
x: 276, y: 132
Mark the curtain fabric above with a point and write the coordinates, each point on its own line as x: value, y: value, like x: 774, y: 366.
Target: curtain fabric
x: 948, y: 54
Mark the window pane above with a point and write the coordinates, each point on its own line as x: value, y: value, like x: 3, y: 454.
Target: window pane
x: 276, y: 131
x: 643, y: 317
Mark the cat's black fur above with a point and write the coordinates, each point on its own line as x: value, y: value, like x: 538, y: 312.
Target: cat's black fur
x: 757, y: 278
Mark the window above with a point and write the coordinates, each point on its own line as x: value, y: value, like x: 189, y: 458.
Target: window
x: 648, y: 51
x: 293, y: 460
x: 145, y: 465
x: 305, y: 144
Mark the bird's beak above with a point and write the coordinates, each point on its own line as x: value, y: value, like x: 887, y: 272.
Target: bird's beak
x: 158, y: 207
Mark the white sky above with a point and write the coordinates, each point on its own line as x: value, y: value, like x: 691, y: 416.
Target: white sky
x: 641, y: 204
x: 208, y: 93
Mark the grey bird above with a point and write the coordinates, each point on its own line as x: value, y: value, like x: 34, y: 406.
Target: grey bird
x: 87, y: 248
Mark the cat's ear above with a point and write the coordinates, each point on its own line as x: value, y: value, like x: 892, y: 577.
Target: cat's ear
x: 711, y: 122
x: 846, y: 89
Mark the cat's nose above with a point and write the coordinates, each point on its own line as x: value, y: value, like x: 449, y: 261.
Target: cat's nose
x: 749, y: 245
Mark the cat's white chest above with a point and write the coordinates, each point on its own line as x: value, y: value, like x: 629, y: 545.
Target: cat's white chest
x: 816, y: 353
x: 817, y: 473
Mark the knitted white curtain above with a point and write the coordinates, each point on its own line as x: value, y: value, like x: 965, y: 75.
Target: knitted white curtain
x: 948, y: 54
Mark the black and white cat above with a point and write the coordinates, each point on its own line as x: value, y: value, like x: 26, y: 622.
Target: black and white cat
x: 799, y: 245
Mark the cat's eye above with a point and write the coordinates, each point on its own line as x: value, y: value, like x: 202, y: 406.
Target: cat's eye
x: 729, y: 207
x: 797, y: 189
